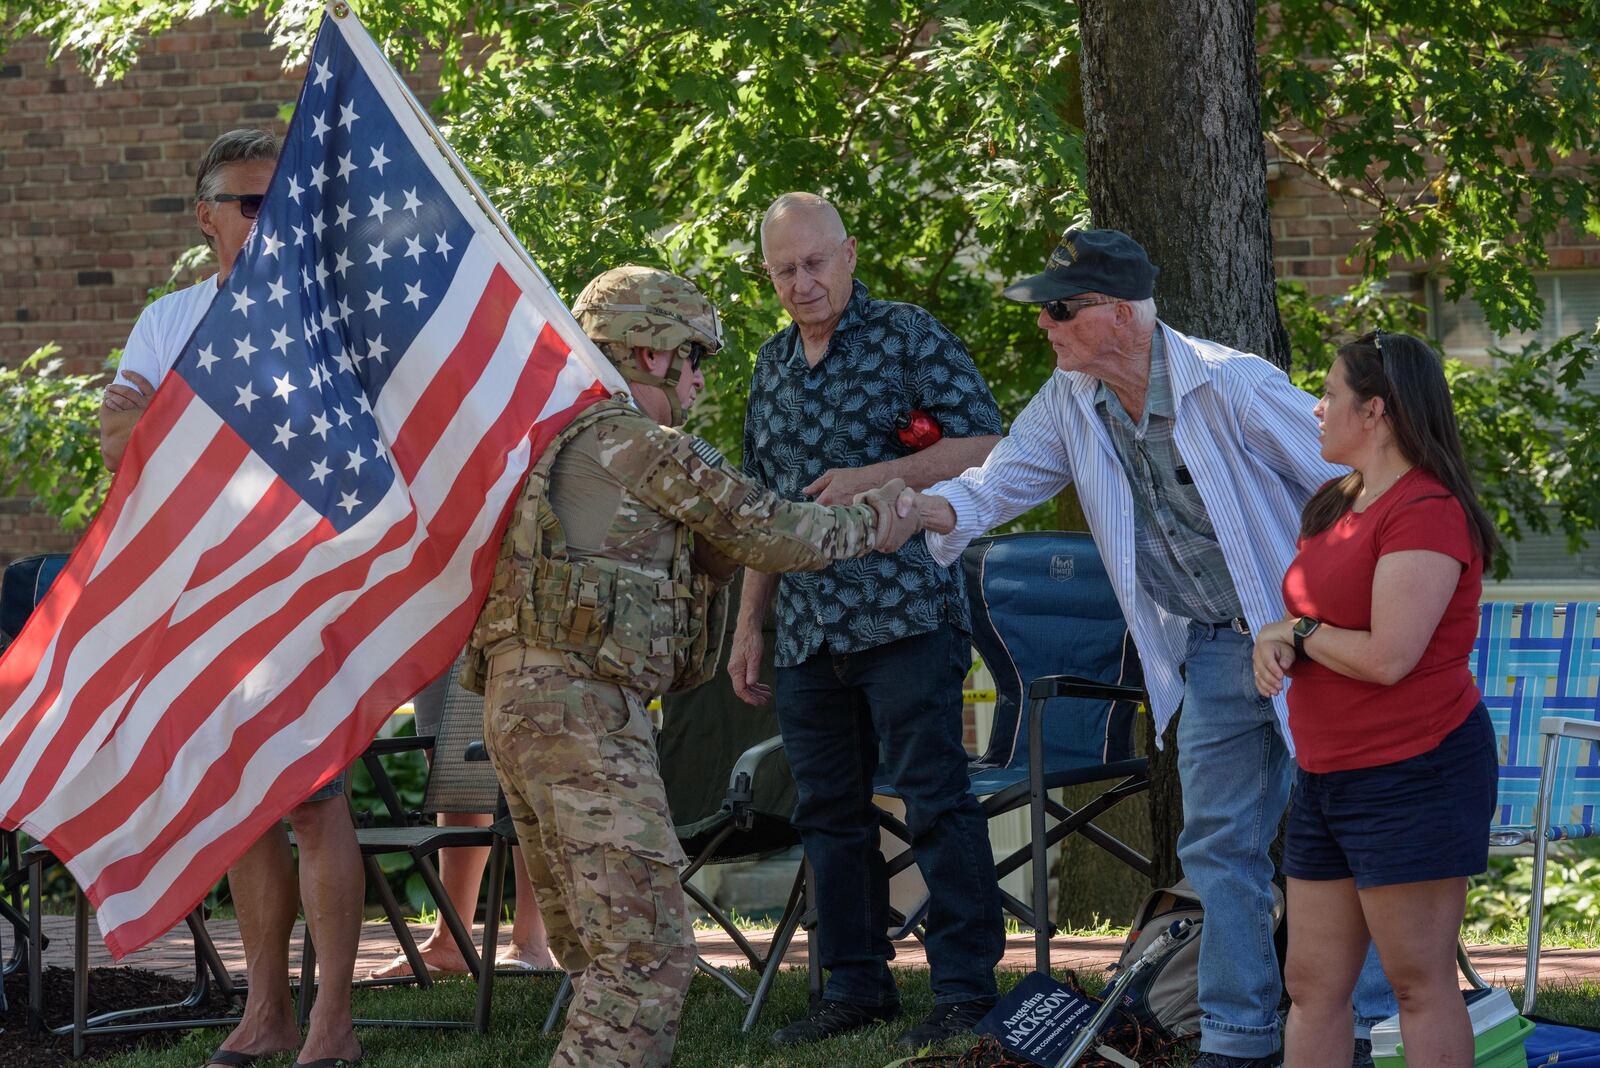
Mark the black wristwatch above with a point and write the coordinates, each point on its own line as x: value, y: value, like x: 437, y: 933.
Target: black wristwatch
x: 1304, y: 627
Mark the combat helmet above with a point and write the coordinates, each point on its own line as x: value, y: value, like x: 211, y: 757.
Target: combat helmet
x: 641, y: 306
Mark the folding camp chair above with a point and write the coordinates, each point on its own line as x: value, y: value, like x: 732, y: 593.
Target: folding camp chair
x: 1067, y: 688
x: 208, y: 966
x: 22, y: 587
x: 455, y: 784
x: 1538, y: 666
x: 731, y: 795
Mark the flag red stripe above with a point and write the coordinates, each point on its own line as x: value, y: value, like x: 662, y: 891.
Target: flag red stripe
x: 146, y: 772
x: 374, y: 708
x: 457, y: 374
x: 267, y: 516
x: 199, y: 700
x: 132, y: 567
x: 358, y: 620
x: 154, y: 648
x: 22, y: 660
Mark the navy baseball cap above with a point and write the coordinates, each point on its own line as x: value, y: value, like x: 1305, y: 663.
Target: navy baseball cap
x: 1090, y: 261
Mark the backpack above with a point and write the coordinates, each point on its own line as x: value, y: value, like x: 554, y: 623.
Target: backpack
x: 1166, y: 995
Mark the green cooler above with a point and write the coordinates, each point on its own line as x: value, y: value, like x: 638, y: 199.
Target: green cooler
x: 1498, y: 1033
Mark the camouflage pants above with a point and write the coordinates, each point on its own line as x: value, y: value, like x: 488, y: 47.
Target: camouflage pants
x: 578, y: 763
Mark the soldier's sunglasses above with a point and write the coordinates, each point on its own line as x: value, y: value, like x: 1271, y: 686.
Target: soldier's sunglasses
x: 1063, y: 310
x: 249, y: 203
x: 694, y: 351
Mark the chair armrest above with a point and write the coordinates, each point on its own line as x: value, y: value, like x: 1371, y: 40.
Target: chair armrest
x: 1074, y: 686
x: 476, y: 751
x: 1567, y: 727
x: 742, y: 780
x: 386, y: 746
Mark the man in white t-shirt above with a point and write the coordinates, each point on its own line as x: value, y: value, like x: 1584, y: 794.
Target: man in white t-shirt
x: 231, y: 184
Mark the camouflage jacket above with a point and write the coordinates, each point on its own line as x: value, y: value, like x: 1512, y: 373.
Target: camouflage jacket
x: 596, y: 562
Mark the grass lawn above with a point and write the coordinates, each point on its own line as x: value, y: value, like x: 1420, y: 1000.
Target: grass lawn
x: 710, y: 1036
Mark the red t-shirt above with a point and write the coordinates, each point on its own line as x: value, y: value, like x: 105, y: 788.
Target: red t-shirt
x: 1341, y: 723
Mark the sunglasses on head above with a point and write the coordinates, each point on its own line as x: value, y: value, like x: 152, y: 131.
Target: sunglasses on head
x: 249, y: 203
x: 1063, y: 310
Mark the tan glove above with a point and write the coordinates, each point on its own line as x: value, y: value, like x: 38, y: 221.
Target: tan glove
x: 893, y: 528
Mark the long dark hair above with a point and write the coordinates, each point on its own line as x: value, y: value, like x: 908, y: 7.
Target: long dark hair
x: 1409, y: 377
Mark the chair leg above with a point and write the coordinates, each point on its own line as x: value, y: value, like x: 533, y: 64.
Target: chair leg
x: 1468, y: 971
x: 1036, y: 814
x: 491, y: 934
x: 308, y: 980
x: 1541, y: 849
x: 35, y: 948
x: 206, y: 950
x: 397, y: 922
x: 778, y: 947
x: 563, y: 995
x: 461, y: 932
x: 80, y: 974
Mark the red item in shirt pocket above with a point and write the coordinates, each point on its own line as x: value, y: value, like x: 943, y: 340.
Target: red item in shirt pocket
x: 916, y: 430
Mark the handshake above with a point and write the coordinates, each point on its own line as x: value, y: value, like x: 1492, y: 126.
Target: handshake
x: 902, y: 511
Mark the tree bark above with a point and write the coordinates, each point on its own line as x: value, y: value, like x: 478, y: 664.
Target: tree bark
x: 1175, y: 158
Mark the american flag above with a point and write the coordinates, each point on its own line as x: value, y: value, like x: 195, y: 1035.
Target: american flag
x: 307, y: 516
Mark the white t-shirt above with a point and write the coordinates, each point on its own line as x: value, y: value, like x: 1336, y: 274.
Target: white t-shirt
x: 159, y: 335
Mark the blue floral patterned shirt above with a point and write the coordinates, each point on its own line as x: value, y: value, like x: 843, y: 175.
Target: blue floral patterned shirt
x: 884, y: 359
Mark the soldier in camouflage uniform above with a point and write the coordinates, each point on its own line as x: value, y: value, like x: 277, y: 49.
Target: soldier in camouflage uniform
x: 608, y: 593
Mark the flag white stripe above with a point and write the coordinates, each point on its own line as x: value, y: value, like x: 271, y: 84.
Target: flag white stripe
x: 369, y: 661
x: 198, y: 423
x: 131, y: 616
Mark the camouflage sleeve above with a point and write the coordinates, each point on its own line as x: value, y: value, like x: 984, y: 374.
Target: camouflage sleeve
x: 663, y: 468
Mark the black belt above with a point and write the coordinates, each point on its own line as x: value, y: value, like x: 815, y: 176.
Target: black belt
x: 1238, y: 624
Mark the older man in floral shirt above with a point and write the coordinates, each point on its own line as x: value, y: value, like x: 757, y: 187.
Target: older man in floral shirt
x: 871, y: 652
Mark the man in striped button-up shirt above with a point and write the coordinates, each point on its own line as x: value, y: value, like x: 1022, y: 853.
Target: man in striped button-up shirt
x: 1192, y: 462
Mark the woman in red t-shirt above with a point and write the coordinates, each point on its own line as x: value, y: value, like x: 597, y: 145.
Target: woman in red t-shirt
x: 1397, y: 756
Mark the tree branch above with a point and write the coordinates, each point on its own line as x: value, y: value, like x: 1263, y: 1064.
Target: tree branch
x: 1343, y: 188
x: 913, y: 31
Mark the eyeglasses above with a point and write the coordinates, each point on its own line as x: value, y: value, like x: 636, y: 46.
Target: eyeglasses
x: 249, y: 203
x: 694, y: 352
x: 1063, y: 310
x: 784, y: 274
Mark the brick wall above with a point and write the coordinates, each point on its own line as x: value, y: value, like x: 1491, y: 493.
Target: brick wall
x: 97, y: 196
x: 1314, y: 233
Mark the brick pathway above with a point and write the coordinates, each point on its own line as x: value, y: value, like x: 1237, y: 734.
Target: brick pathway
x: 174, y: 954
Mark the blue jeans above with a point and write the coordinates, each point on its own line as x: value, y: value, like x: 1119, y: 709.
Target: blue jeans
x: 1235, y: 772
x: 837, y: 714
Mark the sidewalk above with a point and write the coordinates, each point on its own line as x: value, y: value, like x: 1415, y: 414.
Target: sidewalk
x: 173, y: 954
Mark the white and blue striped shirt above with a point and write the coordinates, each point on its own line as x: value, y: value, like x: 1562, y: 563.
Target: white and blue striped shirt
x: 1248, y: 438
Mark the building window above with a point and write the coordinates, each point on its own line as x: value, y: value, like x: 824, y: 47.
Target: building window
x: 1571, y: 306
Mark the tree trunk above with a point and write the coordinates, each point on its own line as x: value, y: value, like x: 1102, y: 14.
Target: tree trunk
x: 1175, y: 158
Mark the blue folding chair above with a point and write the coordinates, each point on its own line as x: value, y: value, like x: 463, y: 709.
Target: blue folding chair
x: 1538, y: 666
x: 1067, y: 689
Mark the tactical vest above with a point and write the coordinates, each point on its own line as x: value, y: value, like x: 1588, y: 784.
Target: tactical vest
x: 617, y: 623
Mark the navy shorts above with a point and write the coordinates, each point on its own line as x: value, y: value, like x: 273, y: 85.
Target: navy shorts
x: 334, y: 787
x: 1425, y: 817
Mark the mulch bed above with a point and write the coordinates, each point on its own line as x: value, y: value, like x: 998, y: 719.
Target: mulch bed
x: 110, y: 989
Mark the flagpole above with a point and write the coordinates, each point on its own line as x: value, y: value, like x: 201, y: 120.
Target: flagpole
x: 340, y: 9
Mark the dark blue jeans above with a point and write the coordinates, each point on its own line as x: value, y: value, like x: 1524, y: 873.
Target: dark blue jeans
x: 837, y: 714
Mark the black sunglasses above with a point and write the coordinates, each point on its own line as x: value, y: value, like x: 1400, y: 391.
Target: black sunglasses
x: 1063, y: 310
x: 249, y: 203
x: 695, y: 352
